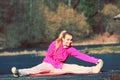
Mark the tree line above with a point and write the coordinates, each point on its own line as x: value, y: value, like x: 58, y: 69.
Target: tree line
x: 31, y: 23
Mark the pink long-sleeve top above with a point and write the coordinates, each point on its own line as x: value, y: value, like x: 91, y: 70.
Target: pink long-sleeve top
x: 57, y: 58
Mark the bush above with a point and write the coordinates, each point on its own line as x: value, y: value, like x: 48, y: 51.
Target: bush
x: 66, y: 18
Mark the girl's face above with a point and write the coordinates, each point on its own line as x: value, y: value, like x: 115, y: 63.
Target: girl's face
x: 67, y: 40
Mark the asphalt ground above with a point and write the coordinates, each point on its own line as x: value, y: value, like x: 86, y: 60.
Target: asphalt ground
x: 101, y: 76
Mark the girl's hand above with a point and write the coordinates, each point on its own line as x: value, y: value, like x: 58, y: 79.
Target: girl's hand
x: 100, y: 61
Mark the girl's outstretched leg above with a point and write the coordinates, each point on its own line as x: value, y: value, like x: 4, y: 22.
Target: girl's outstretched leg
x: 40, y: 68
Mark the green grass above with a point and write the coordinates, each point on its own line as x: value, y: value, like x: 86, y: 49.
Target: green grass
x: 116, y: 48
x: 102, y: 50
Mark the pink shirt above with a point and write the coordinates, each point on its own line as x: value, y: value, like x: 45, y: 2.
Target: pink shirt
x: 57, y: 58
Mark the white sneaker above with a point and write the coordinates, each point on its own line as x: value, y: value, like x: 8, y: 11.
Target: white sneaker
x: 97, y: 68
x: 15, y: 72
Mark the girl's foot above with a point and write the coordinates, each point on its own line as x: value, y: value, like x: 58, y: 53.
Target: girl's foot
x: 97, y: 68
x: 15, y: 72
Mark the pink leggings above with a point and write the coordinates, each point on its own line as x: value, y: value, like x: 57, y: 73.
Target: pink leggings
x: 74, y: 68
x: 36, y: 69
x: 67, y: 68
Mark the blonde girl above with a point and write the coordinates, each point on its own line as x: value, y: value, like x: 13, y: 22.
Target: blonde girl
x: 54, y: 61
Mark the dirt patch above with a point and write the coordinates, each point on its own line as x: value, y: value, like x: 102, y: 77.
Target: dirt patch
x: 106, y: 38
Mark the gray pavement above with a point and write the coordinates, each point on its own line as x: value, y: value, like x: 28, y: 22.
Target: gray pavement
x: 101, y: 76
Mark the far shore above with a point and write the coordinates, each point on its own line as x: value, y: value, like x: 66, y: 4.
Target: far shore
x: 102, y: 50
x: 92, y: 43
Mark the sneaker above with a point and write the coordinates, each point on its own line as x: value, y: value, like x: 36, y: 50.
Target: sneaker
x: 97, y: 68
x: 15, y: 72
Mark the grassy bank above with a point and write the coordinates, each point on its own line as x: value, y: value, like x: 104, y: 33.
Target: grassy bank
x: 98, y: 50
x: 102, y: 50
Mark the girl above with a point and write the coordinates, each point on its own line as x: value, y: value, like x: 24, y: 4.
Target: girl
x: 58, y: 51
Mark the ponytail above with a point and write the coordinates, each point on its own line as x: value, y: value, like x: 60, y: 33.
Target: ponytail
x: 59, y: 39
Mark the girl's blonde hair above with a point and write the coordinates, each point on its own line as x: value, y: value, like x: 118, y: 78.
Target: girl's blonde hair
x: 59, y: 39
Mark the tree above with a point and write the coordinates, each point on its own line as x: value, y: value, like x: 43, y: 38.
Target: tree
x: 26, y: 25
x: 90, y: 9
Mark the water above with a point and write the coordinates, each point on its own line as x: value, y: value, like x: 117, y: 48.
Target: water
x: 111, y: 66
